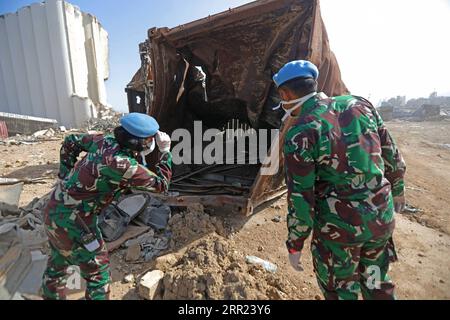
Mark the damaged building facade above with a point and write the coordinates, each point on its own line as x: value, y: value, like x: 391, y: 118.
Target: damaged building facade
x: 219, y: 70
x: 53, y: 63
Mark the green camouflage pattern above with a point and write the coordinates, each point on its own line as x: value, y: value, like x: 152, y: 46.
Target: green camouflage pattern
x: 87, y: 186
x: 94, y: 268
x: 343, y: 271
x: 342, y: 170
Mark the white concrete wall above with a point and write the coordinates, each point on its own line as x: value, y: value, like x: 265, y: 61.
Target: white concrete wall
x: 53, y: 62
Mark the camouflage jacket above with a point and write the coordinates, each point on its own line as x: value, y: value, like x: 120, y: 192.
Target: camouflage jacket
x: 104, y: 172
x: 342, y: 168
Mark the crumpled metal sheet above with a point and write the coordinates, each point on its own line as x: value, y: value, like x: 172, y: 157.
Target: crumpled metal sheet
x: 240, y: 50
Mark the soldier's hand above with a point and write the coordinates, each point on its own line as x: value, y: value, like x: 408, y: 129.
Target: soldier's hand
x: 399, y: 203
x: 294, y: 260
x: 163, y: 141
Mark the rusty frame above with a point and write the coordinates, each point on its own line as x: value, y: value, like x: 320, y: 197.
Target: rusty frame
x: 164, y: 45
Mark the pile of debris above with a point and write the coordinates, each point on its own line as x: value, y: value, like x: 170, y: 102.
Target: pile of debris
x: 107, y: 119
x: 29, y: 216
x: 142, y: 224
x: 37, y: 137
x: 213, y: 269
x: 205, y: 264
x: 429, y: 112
x: 22, y: 244
x: 191, y: 225
x: 22, y: 262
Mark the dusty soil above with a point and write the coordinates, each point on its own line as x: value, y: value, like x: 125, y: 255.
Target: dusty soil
x: 207, y: 254
x: 426, y: 149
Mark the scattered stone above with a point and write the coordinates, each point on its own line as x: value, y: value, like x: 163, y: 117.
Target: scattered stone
x: 317, y: 297
x: 441, y: 281
x: 260, y: 248
x: 411, y: 209
x: 268, y: 266
x: 149, y: 285
x: 276, y: 219
x: 133, y: 252
x: 421, y: 255
x: 128, y: 278
x: 47, y: 133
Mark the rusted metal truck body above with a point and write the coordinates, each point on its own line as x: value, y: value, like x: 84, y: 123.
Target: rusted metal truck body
x: 219, y: 70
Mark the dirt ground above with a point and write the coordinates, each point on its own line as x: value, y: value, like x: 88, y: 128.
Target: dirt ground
x: 209, y: 261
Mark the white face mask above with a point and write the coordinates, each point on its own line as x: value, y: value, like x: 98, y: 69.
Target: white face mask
x: 299, y: 102
x: 150, y: 147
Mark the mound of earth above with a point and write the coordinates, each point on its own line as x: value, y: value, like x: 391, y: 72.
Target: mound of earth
x: 192, y: 225
x: 212, y: 268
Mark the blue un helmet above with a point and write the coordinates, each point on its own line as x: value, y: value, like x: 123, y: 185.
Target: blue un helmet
x: 296, y: 69
x: 140, y: 125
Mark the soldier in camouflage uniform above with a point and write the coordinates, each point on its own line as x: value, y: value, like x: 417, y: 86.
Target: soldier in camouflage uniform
x: 344, y: 175
x: 86, y: 187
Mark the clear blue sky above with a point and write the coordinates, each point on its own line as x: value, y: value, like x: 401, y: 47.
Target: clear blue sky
x: 127, y: 23
x: 384, y: 47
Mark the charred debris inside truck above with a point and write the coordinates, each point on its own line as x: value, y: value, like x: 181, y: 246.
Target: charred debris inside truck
x: 218, y: 70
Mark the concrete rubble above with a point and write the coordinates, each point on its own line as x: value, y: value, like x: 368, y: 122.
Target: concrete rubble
x: 107, y: 120
x: 9, y: 197
x: 277, y: 219
x: 129, y: 278
x: 22, y: 243
x: 433, y: 108
x: 22, y: 262
x: 410, y: 209
x: 49, y: 134
x: 150, y: 284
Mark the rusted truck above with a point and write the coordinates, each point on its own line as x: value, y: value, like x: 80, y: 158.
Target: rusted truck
x: 219, y: 70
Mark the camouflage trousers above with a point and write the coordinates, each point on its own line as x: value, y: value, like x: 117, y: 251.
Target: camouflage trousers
x: 66, y: 250
x: 344, y: 270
